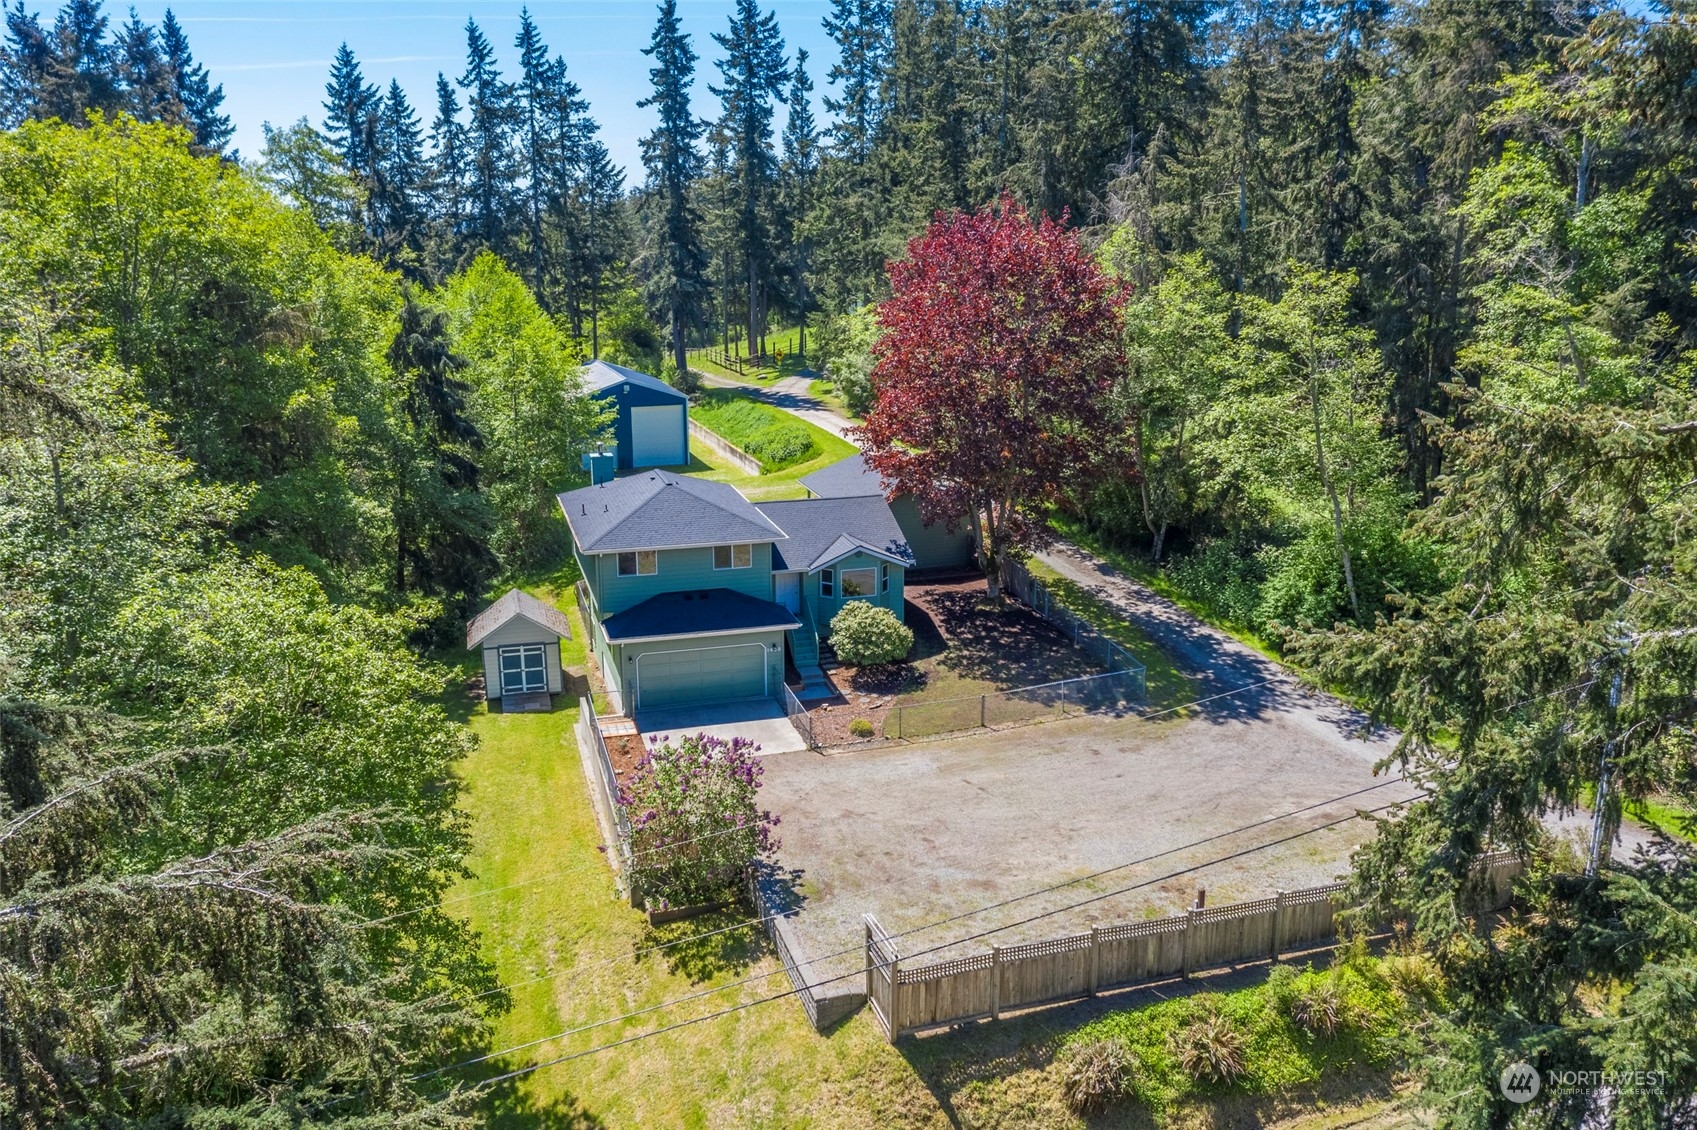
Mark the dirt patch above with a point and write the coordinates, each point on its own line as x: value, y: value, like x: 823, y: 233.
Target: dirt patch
x: 963, y: 644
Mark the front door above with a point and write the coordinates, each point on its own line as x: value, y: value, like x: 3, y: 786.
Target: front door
x: 789, y: 591
x: 524, y: 669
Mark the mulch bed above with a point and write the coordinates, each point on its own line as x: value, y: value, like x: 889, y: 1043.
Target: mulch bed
x: 1010, y: 646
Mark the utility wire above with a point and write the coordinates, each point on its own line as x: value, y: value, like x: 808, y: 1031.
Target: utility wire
x: 955, y: 918
x: 514, y: 1074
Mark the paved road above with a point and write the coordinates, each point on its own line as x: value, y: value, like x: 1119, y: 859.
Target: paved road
x: 790, y: 394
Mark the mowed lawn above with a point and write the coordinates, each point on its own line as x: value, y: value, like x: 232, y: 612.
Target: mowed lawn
x: 543, y: 901
x: 551, y: 912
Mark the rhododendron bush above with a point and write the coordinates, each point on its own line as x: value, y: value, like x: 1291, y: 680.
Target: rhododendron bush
x: 695, y: 823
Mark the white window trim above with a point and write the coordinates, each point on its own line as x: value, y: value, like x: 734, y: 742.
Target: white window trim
x: 871, y: 590
x: 652, y: 554
x: 522, y: 652
x: 828, y: 583
x: 746, y: 547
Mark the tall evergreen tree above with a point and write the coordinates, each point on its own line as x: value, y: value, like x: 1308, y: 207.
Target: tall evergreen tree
x: 397, y: 176
x: 350, y: 103
x: 81, y: 75
x: 145, y: 78
x: 24, y: 65
x: 753, y: 71
x: 445, y: 185
x: 489, y: 161
x: 192, y: 90
x: 541, y: 155
x: 799, y: 170
x: 675, y: 264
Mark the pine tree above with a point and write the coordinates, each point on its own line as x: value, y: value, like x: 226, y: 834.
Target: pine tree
x: 606, y: 230
x: 541, y: 157
x: 350, y: 106
x: 147, y: 82
x: 799, y: 170
x: 489, y: 162
x: 753, y: 71
x: 24, y: 65
x: 192, y: 90
x: 847, y: 232
x: 860, y: 29
x: 81, y: 75
x: 675, y: 264
x: 397, y: 176
x: 445, y: 185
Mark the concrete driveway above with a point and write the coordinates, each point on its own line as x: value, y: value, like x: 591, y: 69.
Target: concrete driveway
x: 761, y: 720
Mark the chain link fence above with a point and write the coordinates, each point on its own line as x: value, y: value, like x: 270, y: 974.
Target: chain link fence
x: 1117, y: 692
x: 1017, y: 580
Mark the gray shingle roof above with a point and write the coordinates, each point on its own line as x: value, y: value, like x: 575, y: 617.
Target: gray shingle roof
x: 823, y: 529
x: 516, y: 603
x: 846, y: 478
x: 696, y: 613
x: 660, y: 510
x: 599, y: 376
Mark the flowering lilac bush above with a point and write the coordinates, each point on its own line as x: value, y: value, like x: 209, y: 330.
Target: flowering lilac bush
x: 695, y: 826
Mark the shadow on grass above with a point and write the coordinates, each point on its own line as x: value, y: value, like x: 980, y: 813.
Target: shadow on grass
x: 1003, y: 642
x: 509, y: 1104
x: 720, y: 943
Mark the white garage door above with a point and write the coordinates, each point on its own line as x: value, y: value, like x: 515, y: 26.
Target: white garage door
x: 700, y: 674
x: 657, y: 436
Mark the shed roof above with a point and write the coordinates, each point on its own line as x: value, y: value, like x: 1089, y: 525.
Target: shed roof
x: 660, y: 510
x: 846, y: 478
x: 601, y: 376
x: 823, y: 530
x: 516, y: 603
x: 696, y: 613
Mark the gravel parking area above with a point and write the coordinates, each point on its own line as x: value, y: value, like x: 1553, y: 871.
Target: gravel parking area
x: 932, y: 830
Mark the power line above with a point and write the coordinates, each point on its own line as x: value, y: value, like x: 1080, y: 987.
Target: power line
x: 514, y: 1074
x: 965, y: 914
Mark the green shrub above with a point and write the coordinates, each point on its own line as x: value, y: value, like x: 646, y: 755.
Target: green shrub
x: 1319, y: 1009
x: 1095, y: 1074
x: 867, y: 635
x: 861, y: 728
x: 1210, y: 1049
x: 769, y: 434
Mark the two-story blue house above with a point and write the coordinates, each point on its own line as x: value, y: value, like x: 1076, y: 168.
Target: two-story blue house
x: 696, y: 593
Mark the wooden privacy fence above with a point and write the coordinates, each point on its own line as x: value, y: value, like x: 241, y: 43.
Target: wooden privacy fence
x: 1067, y: 968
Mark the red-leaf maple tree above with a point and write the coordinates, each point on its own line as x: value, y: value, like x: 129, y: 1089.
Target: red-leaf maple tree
x: 998, y: 348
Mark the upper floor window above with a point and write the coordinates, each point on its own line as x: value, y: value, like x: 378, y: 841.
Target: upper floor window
x: 860, y: 582
x: 642, y: 563
x: 884, y: 578
x: 733, y: 556
x: 827, y: 582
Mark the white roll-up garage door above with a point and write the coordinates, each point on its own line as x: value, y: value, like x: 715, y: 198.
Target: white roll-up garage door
x: 657, y: 436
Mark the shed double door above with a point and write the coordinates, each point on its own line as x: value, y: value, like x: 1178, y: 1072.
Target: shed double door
x: 524, y: 669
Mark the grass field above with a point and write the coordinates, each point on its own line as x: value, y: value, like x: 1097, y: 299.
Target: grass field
x: 784, y: 483
x: 785, y: 340
x: 773, y: 436
x: 545, y: 905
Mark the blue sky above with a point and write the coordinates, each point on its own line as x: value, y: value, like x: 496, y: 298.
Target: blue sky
x: 273, y: 57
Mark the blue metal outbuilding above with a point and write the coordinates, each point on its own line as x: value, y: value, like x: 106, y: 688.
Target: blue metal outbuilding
x: 652, y: 427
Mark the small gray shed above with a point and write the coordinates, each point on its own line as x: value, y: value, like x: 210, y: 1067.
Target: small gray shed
x: 520, y: 637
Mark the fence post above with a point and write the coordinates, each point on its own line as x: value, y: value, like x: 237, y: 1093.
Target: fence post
x: 1095, y: 959
x: 1278, y: 922
x: 1185, y: 948
x: 995, y: 982
x: 981, y: 711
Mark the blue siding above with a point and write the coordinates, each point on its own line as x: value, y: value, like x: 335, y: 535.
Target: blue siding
x: 825, y: 607
x: 933, y: 546
x: 637, y: 396
x: 680, y: 570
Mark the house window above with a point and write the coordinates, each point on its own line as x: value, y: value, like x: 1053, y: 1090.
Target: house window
x: 860, y: 582
x: 642, y: 563
x: 733, y: 556
x: 883, y: 578
x: 827, y: 583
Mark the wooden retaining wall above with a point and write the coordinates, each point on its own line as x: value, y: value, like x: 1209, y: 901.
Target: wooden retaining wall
x: 1068, y: 968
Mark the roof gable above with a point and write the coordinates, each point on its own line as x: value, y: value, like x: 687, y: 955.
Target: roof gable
x: 660, y: 510
x: 602, y: 376
x: 823, y: 530
x: 516, y: 603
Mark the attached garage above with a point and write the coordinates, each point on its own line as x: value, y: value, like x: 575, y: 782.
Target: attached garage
x: 717, y: 673
x: 651, y: 421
